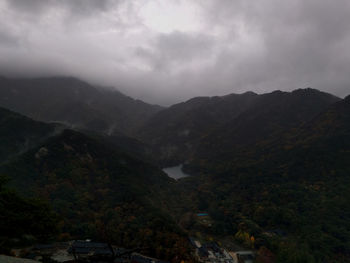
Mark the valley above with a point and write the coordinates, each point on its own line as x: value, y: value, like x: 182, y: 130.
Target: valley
x: 267, y: 172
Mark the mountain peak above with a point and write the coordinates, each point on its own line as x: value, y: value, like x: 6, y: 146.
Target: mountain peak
x: 311, y: 91
x: 306, y: 90
x: 252, y: 93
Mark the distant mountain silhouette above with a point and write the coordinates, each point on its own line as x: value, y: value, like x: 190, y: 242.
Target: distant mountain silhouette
x: 200, y: 125
x: 74, y: 103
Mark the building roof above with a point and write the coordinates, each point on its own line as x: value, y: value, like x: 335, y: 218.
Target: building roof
x: 87, y: 247
x: 202, y: 214
x: 88, y: 244
x: 43, y: 246
x: 143, y: 259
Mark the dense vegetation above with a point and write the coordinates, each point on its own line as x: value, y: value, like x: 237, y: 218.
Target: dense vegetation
x: 24, y: 221
x: 192, y: 127
x: 271, y: 170
x: 174, y: 132
x: 275, y: 171
x: 100, y: 193
x: 18, y: 133
x: 290, y: 191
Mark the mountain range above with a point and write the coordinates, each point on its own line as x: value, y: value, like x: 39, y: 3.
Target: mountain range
x: 272, y: 168
x: 199, y: 125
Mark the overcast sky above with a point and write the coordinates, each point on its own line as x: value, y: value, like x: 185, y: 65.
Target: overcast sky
x: 165, y: 51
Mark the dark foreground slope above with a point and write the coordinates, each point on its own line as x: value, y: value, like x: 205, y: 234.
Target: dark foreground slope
x: 74, y: 103
x: 99, y: 192
x: 289, y: 192
x: 24, y: 220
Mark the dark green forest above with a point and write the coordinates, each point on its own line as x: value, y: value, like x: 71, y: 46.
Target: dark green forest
x: 24, y: 220
x: 290, y: 192
x: 100, y: 193
x: 272, y: 171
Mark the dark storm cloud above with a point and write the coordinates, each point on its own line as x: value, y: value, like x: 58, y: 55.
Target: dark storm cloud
x: 166, y: 51
x: 74, y: 6
x: 300, y: 44
x: 32, y: 6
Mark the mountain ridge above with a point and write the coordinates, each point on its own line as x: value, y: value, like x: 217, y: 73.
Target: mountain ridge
x: 76, y: 103
x: 176, y: 132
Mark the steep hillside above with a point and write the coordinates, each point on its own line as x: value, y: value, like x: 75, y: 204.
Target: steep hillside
x: 74, y: 103
x: 205, y: 127
x: 290, y: 193
x: 19, y: 133
x: 127, y: 144
x: 174, y: 132
x: 271, y: 117
x: 97, y: 189
x: 100, y: 193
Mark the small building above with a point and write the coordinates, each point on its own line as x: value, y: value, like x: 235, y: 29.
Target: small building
x: 86, y: 249
x: 138, y: 258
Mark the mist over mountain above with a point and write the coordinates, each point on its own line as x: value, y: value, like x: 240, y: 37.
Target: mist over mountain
x: 270, y: 168
x: 175, y: 131
x: 166, y: 52
x: 75, y: 103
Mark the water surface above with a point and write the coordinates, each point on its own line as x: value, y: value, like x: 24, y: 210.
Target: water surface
x: 175, y: 172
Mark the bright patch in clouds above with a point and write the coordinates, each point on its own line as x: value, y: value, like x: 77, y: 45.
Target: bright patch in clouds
x: 167, y: 16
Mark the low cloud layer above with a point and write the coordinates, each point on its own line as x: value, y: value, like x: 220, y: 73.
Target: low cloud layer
x: 171, y: 50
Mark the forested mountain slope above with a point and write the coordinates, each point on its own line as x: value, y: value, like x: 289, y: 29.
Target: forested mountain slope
x: 271, y: 170
x: 289, y: 192
x: 19, y: 133
x: 206, y: 125
x: 271, y: 117
x: 97, y: 190
x: 173, y: 132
